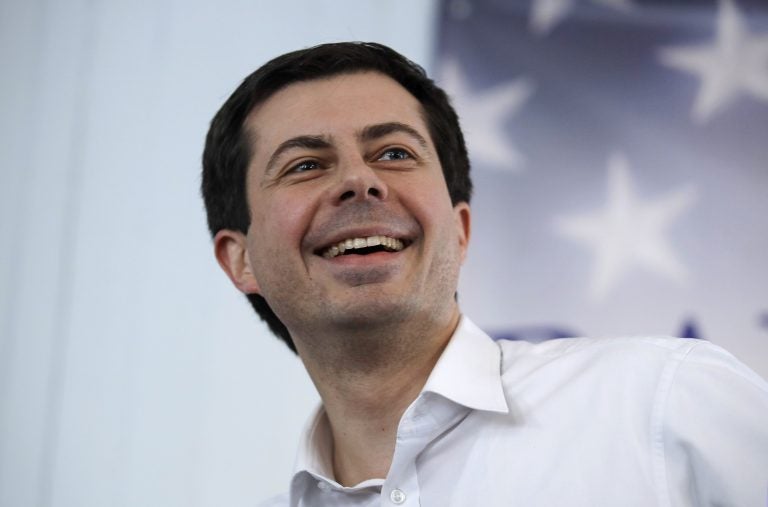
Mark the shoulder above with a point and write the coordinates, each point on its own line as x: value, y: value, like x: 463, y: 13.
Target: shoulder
x: 608, y: 352
x: 280, y: 500
x: 571, y: 347
x: 699, y: 415
x: 644, y: 364
x: 595, y: 354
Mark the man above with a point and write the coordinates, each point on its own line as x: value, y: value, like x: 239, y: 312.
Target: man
x: 337, y: 188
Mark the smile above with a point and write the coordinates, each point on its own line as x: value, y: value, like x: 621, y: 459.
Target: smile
x: 363, y: 246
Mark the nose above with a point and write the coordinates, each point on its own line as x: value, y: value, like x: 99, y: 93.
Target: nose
x: 359, y: 181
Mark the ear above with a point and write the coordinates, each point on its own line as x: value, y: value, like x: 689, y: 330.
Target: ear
x: 230, y: 248
x: 463, y: 218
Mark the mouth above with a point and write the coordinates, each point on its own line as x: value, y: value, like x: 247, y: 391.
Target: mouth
x: 363, y: 246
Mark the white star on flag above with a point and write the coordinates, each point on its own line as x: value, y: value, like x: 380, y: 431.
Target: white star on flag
x: 546, y: 14
x: 483, y: 115
x: 736, y: 63
x: 628, y: 233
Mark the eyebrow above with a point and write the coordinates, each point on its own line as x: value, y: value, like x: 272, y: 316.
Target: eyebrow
x: 373, y: 132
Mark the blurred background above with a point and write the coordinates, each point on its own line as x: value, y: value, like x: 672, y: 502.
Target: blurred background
x: 621, y: 168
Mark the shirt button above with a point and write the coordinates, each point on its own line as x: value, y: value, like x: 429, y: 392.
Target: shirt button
x: 324, y: 486
x: 397, y: 496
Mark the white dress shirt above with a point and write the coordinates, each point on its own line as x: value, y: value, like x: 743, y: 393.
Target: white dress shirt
x: 576, y: 421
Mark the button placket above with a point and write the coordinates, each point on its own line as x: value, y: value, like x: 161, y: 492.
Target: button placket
x: 401, y: 487
x: 417, y: 428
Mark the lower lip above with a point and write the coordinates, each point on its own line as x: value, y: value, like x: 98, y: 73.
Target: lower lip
x: 364, y: 260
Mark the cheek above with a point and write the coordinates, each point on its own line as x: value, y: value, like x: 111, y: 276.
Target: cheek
x: 433, y: 207
x: 278, y: 224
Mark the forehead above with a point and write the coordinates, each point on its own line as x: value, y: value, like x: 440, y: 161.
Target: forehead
x: 334, y: 106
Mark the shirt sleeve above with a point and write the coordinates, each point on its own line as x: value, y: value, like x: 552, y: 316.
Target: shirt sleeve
x: 714, y: 430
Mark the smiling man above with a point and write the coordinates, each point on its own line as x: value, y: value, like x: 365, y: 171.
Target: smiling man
x: 336, y: 183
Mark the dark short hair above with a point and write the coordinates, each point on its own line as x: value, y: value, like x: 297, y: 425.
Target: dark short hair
x: 228, y: 149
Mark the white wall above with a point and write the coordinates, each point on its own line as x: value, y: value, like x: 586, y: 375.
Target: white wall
x: 131, y: 373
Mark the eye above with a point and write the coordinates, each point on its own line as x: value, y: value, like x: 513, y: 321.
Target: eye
x: 394, y: 154
x: 304, y: 166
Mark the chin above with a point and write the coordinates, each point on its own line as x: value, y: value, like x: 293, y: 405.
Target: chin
x: 368, y: 315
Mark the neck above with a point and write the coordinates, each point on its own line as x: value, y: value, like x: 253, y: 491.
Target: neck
x: 367, y: 387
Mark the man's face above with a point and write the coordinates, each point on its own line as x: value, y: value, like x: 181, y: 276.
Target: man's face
x: 339, y: 163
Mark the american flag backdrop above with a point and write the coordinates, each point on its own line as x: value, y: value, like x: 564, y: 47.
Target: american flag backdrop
x: 620, y: 158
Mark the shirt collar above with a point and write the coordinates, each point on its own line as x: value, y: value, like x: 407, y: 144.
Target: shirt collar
x: 468, y: 373
x: 469, y: 370
x: 315, y: 448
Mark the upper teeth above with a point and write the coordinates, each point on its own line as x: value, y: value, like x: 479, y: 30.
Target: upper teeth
x: 350, y: 244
